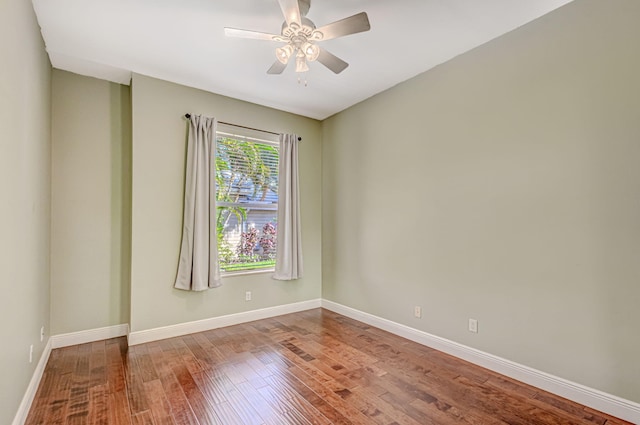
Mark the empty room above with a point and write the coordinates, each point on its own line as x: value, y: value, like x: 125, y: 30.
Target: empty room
x: 320, y: 212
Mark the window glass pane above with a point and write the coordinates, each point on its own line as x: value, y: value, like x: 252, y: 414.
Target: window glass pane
x: 247, y: 203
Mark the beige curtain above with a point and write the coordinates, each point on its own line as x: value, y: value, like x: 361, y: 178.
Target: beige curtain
x: 198, y: 268
x: 289, y: 246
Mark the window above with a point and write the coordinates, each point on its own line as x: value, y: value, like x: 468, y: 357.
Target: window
x: 246, y: 199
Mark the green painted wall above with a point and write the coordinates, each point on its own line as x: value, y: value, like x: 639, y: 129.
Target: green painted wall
x: 503, y: 186
x: 91, y: 203
x: 25, y: 156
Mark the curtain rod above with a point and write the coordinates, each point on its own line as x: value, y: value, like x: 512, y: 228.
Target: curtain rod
x: 187, y: 116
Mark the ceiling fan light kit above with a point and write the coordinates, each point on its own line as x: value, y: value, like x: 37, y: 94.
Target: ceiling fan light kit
x: 301, y: 35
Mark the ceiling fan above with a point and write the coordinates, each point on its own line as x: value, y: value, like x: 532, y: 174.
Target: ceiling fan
x: 300, y: 36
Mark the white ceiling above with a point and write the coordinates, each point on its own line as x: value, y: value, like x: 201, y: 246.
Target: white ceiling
x: 183, y: 41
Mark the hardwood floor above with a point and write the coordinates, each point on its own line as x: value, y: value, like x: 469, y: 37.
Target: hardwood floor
x: 313, y: 367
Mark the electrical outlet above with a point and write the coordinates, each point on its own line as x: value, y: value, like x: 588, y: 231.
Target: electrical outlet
x: 247, y: 296
x: 417, y: 311
x: 473, y: 325
x: 31, y: 353
x: 42, y: 334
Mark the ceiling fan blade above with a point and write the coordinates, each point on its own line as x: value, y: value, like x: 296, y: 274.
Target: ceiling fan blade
x: 331, y: 61
x: 235, y: 32
x: 291, y: 11
x: 277, y: 68
x: 351, y: 25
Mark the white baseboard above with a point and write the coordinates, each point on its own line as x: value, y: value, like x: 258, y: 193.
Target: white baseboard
x: 155, y: 334
x: 32, y: 388
x: 90, y: 335
x: 596, y: 399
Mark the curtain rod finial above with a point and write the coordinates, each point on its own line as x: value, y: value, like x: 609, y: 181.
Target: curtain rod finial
x: 187, y: 116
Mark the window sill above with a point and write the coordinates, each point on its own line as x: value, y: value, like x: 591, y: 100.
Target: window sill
x: 246, y: 272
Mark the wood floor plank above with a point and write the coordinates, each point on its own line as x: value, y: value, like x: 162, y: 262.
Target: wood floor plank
x: 301, y: 397
x: 442, y: 412
x: 311, y: 367
x: 336, y: 398
x: 133, y: 377
x: 210, y: 388
x: 564, y: 405
x: 59, y: 401
x: 98, y: 405
x: 199, y: 405
x: 284, y: 403
x: 205, y: 357
x: 119, y: 411
x: 227, y: 413
x: 114, y: 368
x: 143, y: 418
x: 508, y: 407
x: 244, y: 410
x: 181, y: 411
x: 78, y: 411
x: 268, y: 413
x: 44, y: 397
x: 68, y: 359
x: 144, y: 363
x: 396, y: 412
x: 160, y: 407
